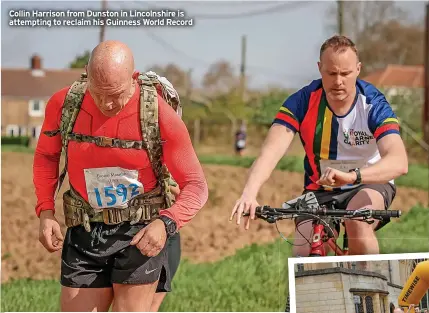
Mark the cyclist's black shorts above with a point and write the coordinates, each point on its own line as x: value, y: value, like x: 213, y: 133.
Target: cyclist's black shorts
x: 343, y: 197
x: 173, y: 254
x: 103, y: 256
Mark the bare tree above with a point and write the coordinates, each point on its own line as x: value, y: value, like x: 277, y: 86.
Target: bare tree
x: 382, y: 34
x: 220, y: 77
x: 172, y: 72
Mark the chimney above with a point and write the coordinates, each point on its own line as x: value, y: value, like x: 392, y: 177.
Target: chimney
x: 36, y: 66
x: 36, y: 62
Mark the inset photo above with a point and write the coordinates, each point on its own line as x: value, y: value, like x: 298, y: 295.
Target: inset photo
x: 396, y: 283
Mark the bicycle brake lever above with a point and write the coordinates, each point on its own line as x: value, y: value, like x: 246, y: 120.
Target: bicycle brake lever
x: 360, y: 211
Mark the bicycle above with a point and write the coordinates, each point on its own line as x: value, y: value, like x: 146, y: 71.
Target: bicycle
x: 323, y: 218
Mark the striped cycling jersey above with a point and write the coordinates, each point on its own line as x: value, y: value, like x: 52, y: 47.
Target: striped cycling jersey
x: 326, y: 136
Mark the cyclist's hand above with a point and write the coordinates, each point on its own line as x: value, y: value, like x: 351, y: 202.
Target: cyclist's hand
x: 50, y: 235
x: 336, y: 178
x: 245, y: 204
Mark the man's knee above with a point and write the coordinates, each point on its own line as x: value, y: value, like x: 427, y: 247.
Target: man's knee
x: 367, y: 198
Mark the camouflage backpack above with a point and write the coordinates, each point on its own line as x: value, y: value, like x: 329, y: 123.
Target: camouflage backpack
x: 149, y: 82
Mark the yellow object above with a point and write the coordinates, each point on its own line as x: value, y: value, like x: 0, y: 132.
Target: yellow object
x: 415, y: 287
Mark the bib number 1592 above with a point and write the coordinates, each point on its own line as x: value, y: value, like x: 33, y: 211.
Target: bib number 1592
x: 113, y: 193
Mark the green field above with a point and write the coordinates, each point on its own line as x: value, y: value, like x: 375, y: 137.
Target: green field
x: 254, y: 279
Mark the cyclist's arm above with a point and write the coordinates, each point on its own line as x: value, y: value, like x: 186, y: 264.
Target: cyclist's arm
x: 393, y: 162
x: 286, y: 123
x: 384, y: 125
x: 47, y: 155
x: 274, y: 148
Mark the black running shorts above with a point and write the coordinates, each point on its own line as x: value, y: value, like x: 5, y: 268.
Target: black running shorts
x: 103, y: 256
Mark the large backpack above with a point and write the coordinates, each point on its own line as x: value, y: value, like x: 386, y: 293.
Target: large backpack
x: 150, y: 84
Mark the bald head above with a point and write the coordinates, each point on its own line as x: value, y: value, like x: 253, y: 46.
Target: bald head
x: 110, y: 60
x: 110, y: 69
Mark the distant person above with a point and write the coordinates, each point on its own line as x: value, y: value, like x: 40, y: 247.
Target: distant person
x: 352, y: 142
x: 240, y: 140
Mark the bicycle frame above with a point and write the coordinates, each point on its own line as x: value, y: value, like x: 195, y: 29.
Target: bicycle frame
x: 320, y: 237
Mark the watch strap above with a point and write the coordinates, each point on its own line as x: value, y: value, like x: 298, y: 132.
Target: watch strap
x: 358, y: 176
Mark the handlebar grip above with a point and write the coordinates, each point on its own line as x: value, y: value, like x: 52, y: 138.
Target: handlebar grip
x: 387, y: 213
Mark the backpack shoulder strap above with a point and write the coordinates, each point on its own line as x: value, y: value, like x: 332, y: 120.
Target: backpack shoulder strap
x: 151, y: 133
x: 71, y: 107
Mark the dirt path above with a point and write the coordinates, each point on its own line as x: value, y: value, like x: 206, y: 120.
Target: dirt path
x: 209, y: 237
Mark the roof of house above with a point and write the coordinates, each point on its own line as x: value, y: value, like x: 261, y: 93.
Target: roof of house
x: 28, y: 83
x: 36, y: 83
x: 408, y: 76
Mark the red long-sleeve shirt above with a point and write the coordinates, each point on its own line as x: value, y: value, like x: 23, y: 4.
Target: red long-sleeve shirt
x: 178, y: 154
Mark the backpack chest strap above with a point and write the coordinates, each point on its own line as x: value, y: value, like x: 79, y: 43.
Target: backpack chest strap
x: 102, y: 141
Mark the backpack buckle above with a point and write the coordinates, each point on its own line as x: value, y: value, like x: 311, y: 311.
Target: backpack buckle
x: 112, y: 216
x: 105, y: 141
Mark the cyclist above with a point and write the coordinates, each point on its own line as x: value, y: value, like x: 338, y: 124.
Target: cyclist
x: 352, y: 142
x: 116, y: 208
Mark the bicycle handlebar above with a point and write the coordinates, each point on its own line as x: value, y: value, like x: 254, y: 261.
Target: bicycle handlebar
x: 322, y: 211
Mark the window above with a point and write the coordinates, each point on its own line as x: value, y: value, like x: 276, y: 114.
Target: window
x: 368, y: 304
x: 300, y: 267
x: 12, y: 130
x: 358, y: 301
x: 35, y: 132
x: 36, y: 107
x: 363, y: 304
x: 22, y: 131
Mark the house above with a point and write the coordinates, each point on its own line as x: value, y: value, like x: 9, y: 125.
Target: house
x: 24, y: 94
x: 352, y: 287
x: 398, y: 79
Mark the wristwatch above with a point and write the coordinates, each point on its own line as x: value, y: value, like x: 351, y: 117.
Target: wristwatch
x: 358, y: 176
x: 170, y: 225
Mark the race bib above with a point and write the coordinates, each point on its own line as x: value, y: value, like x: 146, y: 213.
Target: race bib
x: 341, y: 165
x: 111, y: 187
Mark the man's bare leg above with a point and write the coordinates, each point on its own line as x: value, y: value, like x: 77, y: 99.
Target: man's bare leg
x: 361, y: 235
x: 157, y: 300
x: 133, y: 298
x: 85, y: 299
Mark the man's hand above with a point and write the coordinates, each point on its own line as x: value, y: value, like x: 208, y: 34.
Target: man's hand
x: 50, y: 234
x: 244, y: 205
x: 335, y: 178
x: 151, y: 239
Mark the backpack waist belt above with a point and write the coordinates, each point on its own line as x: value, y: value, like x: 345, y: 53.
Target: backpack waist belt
x: 143, y: 208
